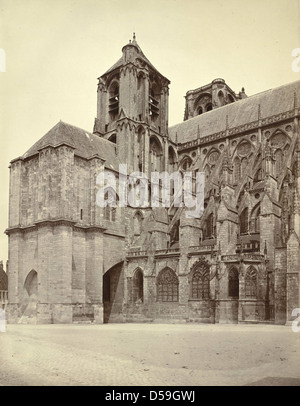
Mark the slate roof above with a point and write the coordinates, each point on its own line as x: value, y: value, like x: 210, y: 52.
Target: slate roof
x: 142, y: 56
x: 85, y: 144
x: 271, y: 102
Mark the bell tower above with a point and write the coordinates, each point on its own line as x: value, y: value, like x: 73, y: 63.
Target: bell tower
x: 132, y: 110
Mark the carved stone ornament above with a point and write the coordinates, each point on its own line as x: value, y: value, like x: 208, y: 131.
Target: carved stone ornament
x: 278, y: 140
x: 213, y: 157
x: 244, y: 148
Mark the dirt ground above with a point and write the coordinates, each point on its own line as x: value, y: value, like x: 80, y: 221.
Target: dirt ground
x: 149, y: 355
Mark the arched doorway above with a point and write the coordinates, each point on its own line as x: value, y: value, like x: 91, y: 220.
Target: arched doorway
x: 30, y: 298
x: 113, y: 294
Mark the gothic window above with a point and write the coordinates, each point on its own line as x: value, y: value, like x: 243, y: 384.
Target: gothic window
x: 209, y: 226
x: 278, y: 162
x: 137, y: 223
x: 200, y: 283
x: 200, y: 110
x: 244, y: 162
x: 221, y: 98
x: 110, y: 211
x: 140, y: 149
x: 138, y: 289
x: 208, y: 107
x: 172, y: 159
x: 244, y: 221
x: 233, y: 283
x: 255, y: 220
x: 186, y: 163
x: 113, y: 103
x: 174, y: 234
x: 167, y: 286
x: 236, y: 170
x: 155, y: 155
x: 154, y: 100
x: 251, y: 283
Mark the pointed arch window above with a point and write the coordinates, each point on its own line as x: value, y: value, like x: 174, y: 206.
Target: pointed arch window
x: 221, y: 98
x: 255, y: 220
x: 155, y: 155
x: 154, y: 101
x: 110, y: 211
x: 138, y: 287
x: 251, y: 283
x: 244, y: 221
x: 172, y: 159
x: 137, y: 223
x: 113, y: 103
x: 236, y: 170
x: 186, y: 163
x: 278, y: 162
x: 209, y: 226
x: 167, y: 286
x: 200, y: 282
x: 233, y: 283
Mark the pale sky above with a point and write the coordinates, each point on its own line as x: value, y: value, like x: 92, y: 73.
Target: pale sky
x: 56, y: 49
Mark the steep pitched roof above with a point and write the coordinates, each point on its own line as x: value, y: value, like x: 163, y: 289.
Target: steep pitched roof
x: 142, y: 56
x: 85, y: 144
x: 270, y: 102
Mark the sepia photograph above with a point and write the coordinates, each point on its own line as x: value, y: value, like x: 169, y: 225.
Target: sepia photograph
x: 150, y: 181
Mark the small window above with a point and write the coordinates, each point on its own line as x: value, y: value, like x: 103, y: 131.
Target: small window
x: 81, y: 214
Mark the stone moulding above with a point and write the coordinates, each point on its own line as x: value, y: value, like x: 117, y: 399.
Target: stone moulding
x: 240, y: 129
x: 56, y: 222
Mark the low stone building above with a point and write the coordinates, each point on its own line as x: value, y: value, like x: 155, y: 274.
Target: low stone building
x: 72, y: 260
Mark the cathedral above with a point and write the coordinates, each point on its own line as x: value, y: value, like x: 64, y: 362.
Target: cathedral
x: 72, y: 261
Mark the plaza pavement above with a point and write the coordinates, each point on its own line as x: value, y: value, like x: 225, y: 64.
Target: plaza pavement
x: 149, y: 355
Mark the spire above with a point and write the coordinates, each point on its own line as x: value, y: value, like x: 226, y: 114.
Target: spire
x: 134, y: 37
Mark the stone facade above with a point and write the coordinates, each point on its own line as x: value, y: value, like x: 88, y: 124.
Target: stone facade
x: 73, y: 261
